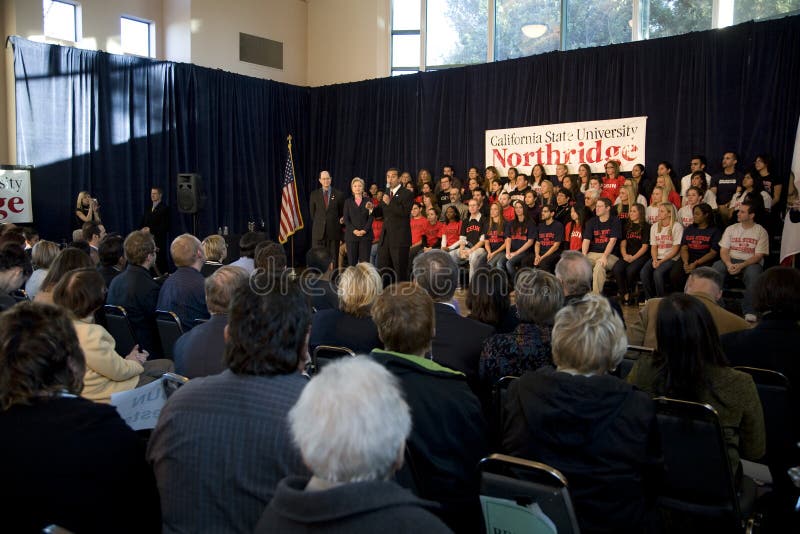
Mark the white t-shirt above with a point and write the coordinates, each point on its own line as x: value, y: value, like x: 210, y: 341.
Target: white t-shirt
x: 738, y: 198
x: 665, y: 239
x: 743, y: 243
x: 686, y: 183
x: 685, y: 216
x: 651, y: 213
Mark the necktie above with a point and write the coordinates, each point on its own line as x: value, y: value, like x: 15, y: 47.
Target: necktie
x: 326, y: 194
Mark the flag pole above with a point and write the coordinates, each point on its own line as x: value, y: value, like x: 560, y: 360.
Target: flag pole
x: 291, y: 237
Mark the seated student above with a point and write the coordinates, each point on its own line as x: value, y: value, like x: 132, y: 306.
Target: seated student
x: 199, y: 352
x: 351, y: 487
x: 444, y: 461
x: 471, y: 241
x: 42, y: 257
x: 216, y: 250
x: 549, y: 235
x: 633, y: 253
x: 495, y: 242
x: 597, y: 430
x: 600, y: 239
x: 68, y: 259
x: 13, y: 265
x: 81, y: 293
x: 183, y: 292
x: 699, y: 244
x: 527, y: 348
x: 222, y: 442
x: 665, y: 245
x: 350, y: 325
x: 521, y: 234
x: 690, y: 365
x: 66, y: 460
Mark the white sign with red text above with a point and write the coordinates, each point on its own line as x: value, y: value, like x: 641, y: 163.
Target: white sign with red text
x: 572, y: 143
x: 15, y: 196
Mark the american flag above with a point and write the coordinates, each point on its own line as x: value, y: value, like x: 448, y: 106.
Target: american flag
x: 291, y: 219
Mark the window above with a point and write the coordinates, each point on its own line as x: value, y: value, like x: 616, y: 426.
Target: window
x: 526, y: 27
x: 435, y: 34
x: 61, y: 20
x: 136, y: 37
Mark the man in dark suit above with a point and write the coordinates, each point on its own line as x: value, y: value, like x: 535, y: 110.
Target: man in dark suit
x: 317, y: 282
x: 326, y: 207
x: 200, y: 351
x: 395, y: 238
x: 156, y: 221
x: 458, y: 340
x: 136, y: 291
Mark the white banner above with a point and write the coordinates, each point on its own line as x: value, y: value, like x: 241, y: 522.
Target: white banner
x: 15, y: 195
x: 570, y: 143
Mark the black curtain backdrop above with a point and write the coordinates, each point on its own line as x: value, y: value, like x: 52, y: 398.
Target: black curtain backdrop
x: 115, y: 125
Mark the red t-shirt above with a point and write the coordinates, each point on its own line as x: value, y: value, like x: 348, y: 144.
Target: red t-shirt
x: 508, y: 213
x: 417, y: 229
x: 574, y: 235
x: 433, y: 233
x: 377, y: 228
x: 451, y: 232
x: 611, y: 187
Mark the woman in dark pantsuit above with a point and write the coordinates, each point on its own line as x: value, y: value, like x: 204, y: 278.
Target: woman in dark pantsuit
x: 358, y: 223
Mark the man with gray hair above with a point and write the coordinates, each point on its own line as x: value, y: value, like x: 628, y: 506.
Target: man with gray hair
x: 199, y: 351
x: 352, y: 459
x: 458, y: 340
x: 455, y: 201
x: 575, y: 273
x: 704, y: 283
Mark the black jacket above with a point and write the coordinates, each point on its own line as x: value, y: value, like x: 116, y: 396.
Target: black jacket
x: 199, y: 351
x: 458, y: 341
x: 325, y: 221
x: 396, y: 219
x: 136, y: 291
x: 360, y: 507
x: 335, y: 327
x: 600, y: 432
x: 448, y: 438
x: 357, y: 218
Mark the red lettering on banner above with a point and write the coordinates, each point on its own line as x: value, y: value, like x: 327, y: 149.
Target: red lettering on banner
x: 15, y: 204
x: 548, y: 155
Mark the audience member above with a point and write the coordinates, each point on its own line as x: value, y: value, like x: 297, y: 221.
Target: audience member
x: 741, y: 251
x: 574, y: 272
x: 215, y: 250
x: 247, y: 249
x: 93, y: 234
x: 112, y: 257
x: 68, y: 259
x: 455, y: 202
x: 724, y: 184
x: 633, y: 253
x: 81, y: 292
x: 42, y: 256
x: 699, y: 245
x: 136, y: 291
x: 489, y: 300
x: 199, y: 352
x: 665, y: 245
x: 471, y: 249
x: 317, y: 280
x: 66, y: 460
x: 222, y: 442
x: 184, y: 291
x: 705, y: 284
x: 594, y: 428
x: 444, y: 461
x: 697, y: 163
x: 549, y: 235
x: 350, y: 325
x: 527, y: 347
x: 352, y: 459
x: 690, y: 365
x: 457, y: 340
x: 13, y: 265
x: 270, y: 257
x: 521, y: 232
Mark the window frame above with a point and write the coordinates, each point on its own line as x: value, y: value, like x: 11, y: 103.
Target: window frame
x: 151, y: 41
x: 77, y: 22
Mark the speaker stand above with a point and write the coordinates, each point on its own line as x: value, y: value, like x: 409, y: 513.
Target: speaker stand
x: 194, y: 224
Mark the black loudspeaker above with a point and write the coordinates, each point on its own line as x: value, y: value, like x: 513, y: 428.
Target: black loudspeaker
x: 190, y: 193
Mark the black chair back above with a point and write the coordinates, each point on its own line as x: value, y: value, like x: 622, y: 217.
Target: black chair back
x: 697, y: 473
x: 169, y: 330
x: 118, y: 325
x: 497, y: 416
x: 324, y: 354
x: 774, y: 391
x: 526, y: 482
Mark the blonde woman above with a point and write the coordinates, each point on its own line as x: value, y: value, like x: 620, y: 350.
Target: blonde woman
x: 664, y: 180
x: 87, y: 209
x: 216, y: 250
x: 351, y: 325
x: 656, y: 198
x: 625, y: 201
x: 665, y: 244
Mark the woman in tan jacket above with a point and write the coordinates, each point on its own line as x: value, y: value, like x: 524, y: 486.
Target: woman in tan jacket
x: 82, y: 292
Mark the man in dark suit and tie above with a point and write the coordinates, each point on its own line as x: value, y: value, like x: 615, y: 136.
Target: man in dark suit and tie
x: 396, y: 235
x: 326, y: 207
x: 156, y: 221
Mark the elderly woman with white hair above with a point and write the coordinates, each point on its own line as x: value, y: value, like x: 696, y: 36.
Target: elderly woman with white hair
x: 597, y: 430
x: 351, y: 325
x: 352, y: 459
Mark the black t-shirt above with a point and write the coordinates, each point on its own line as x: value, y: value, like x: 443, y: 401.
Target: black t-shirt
x: 496, y: 237
x: 443, y: 198
x: 700, y: 241
x: 549, y: 234
x: 635, y: 235
x: 600, y: 233
x: 726, y: 185
x: 520, y: 235
x: 518, y: 195
x: 473, y: 230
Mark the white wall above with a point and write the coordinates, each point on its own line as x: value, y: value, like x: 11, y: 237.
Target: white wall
x: 348, y: 40
x: 177, y: 30
x: 215, y: 35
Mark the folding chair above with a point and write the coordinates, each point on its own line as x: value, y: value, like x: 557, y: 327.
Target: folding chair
x: 497, y: 415
x: 118, y: 325
x: 510, y: 487
x: 698, y: 481
x: 324, y: 354
x: 169, y: 330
